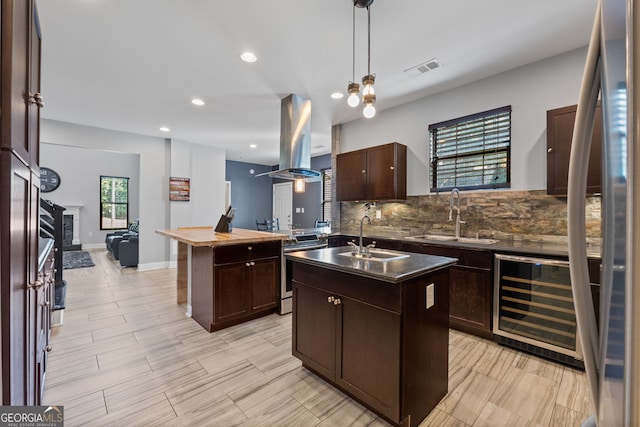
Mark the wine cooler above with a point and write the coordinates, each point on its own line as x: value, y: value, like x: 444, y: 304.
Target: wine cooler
x: 533, y: 307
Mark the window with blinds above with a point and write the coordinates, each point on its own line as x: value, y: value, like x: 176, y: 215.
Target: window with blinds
x: 326, y: 194
x: 472, y: 152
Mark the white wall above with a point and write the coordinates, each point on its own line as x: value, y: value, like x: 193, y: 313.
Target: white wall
x: 530, y: 90
x: 204, y: 165
x: 80, y: 170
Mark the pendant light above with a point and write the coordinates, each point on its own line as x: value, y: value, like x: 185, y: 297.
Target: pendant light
x: 368, y: 93
x: 353, y: 88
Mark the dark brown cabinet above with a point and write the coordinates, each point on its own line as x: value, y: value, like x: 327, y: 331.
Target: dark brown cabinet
x: 375, y: 173
x: 232, y: 284
x: 374, y: 340
x: 560, y: 123
x: 21, y: 288
x: 470, y: 284
x: 21, y: 80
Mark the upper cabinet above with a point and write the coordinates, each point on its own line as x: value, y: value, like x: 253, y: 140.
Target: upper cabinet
x: 560, y: 122
x: 375, y: 173
x: 20, y: 83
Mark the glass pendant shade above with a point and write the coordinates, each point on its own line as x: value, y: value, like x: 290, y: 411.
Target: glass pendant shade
x: 354, y: 90
x: 299, y: 185
x: 369, y: 111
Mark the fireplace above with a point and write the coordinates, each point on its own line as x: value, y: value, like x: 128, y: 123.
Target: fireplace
x: 71, y: 227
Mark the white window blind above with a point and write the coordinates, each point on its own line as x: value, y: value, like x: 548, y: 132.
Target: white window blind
x: 326, y: 194
x: 472, y: 152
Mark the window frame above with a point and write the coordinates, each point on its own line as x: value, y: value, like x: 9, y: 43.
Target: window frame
x: 113, y: 203
x: 434, y: 159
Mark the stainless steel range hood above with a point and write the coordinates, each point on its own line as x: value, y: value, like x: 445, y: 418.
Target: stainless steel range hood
x: 295, y: 140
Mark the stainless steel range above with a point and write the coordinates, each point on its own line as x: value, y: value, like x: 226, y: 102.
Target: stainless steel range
x: 298, y: 240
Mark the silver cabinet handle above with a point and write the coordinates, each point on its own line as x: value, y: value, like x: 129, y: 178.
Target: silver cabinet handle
x: 337, y: 301
x: 550, y: 150
x: 248, y: 265
x: 330, y: 299
x: 253, y: 263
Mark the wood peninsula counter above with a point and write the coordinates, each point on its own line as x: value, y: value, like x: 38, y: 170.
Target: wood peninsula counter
x: 227, y: 278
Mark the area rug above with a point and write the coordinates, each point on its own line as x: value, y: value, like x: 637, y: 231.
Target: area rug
x: 76, y: 259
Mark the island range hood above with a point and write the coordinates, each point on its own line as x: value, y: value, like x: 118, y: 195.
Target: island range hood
x: 295, y: 140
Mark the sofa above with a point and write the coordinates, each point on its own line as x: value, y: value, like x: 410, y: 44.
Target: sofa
x: 123, y: 244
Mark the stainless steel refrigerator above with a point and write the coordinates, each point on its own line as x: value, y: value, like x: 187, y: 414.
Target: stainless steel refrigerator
x: 612, y: 351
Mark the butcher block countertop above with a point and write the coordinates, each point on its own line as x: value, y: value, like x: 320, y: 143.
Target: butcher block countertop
x: 206, y: 236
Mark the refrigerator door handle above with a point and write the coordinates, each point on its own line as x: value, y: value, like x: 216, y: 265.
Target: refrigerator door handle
x: 576, y: 201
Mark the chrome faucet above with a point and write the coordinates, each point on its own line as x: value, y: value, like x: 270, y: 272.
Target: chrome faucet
x: 361, y: 250
x: 457, y: 208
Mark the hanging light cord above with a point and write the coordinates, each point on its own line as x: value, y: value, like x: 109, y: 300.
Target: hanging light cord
x: 368, y: 41
x: 353, y: 45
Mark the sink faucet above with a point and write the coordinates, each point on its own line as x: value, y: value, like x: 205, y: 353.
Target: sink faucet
x: 457, y: 208
x: 361, y: 250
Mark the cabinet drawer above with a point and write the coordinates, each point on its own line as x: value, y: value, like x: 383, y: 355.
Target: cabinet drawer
x: 246, y: 252
x: 381, y: 294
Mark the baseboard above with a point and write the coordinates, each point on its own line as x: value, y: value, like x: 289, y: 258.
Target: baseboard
x: 173, y: 264
x: 93, y: 246
x: 153, y: 266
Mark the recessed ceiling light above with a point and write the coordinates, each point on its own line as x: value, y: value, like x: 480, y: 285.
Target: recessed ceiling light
x: 337, y: 95
x: 165, y: 129
x: 253, y: 146
x: 248, y: 57
x: 197, y: 101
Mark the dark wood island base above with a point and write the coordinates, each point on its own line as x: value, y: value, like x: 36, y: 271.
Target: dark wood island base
x: 374, y: 340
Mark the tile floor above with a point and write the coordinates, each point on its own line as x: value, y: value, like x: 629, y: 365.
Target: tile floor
x: 127, y: 355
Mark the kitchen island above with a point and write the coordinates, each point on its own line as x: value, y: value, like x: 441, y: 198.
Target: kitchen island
x: 227, y: 278
x: 376, y: 328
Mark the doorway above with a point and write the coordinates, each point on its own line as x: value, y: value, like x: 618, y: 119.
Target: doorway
x: 283, y: 204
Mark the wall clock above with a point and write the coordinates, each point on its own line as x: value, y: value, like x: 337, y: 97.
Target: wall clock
x: 49, y: 180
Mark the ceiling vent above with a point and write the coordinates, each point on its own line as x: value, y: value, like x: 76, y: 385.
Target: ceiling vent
x: 423, y: 68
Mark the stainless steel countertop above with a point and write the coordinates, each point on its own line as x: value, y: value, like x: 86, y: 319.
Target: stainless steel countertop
x: 548, y: 248
x: 394, y: 271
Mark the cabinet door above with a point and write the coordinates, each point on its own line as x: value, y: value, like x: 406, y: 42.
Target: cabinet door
x: 314, y: 329
x: 18, y: 328
x: 560, y: 124
x: 351, y: 170
x: 386, y: 167
x: 368, y: 355
x: 19, y: 26
x: 232, y: 297
x: 33, y: 105
x: 263, y: 276
x: 470, y: 300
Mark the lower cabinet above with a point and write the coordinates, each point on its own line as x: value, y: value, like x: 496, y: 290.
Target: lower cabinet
x: 243, y: 288
x: 355, y: 344
x: 233, y: 284
x: 374, y: 340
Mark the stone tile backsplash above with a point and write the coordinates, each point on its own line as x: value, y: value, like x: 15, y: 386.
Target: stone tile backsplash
x: 504, y: 215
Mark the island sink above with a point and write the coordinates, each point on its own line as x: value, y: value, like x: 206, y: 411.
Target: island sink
x: 376, y: 255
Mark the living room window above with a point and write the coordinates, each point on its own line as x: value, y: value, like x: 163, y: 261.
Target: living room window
x: 472, y: 152
x: 114, y: 202
x: 326, y: 194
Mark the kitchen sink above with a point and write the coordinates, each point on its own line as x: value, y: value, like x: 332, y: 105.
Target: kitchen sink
x: 376, y: 255
x: 453, y: 239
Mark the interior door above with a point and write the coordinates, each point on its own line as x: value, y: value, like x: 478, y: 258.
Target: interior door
x: 283, y: 204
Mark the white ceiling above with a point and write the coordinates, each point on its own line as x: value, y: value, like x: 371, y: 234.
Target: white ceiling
x: 134, y: 65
